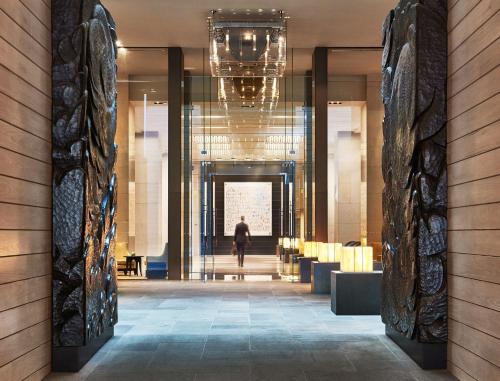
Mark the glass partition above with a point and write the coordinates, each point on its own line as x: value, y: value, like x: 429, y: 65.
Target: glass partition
x: 355, y: 115
x: 142, y: 164
x: 234, y: 120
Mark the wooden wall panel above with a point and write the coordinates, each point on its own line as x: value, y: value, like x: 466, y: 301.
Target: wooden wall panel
x: 479, y: 343
x: 474, y: 168
x: 27, y: 365
x: 481, y: 267
x: 484, y: 62
x: 473, y: 193
x: 472, y: 20
x: 461, y: 10
x: 24, y: 291
x: 478, y: 142
x: 474, y: 366
x: 478, y: 41
x: 478, y: 117
x: 29, y: 145
x: 483, y: 242
x: 25, y: 168
x: 18, y: 242
x: 481, y: 89
x: 28, y: 22
x: 483, y: 191
x: 483, y: 319
x: 23, y: 42
x: 25, y: 189
x: 19, y: 267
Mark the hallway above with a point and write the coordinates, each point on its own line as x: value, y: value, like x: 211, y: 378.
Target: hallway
x: 242, y: 331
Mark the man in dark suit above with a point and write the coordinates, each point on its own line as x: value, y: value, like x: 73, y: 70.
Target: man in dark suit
x: 241, y: 239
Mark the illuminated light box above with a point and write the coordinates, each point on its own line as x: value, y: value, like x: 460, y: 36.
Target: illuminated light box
x: 357, y: 259
x: 297, y: 243
x: 310, y: 249
x: 323, y: 252
x: 334, y: 252
x: 286, y: 243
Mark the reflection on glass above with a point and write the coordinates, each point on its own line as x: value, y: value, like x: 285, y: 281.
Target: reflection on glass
x: 142, y: 139
x: 355, y: 114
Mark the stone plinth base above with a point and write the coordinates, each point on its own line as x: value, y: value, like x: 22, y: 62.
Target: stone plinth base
x: 320, y: 276
x: 356, y: 293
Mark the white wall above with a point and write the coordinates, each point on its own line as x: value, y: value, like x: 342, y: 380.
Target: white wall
x: 151, y: 184
x: 344, y: 171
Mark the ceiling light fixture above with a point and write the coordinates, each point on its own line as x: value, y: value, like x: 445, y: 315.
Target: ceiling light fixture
x: 238, y: 43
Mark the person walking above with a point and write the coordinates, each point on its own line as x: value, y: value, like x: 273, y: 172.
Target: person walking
x: 241, y: 239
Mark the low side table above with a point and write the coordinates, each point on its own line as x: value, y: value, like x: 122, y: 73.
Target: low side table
x: 305, y: 268
x: 356, y: 293
x: 321, y: 276
x: 129, y: 259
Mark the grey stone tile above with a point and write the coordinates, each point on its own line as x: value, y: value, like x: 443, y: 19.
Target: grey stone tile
x: 140, y: 376
x: 243, y: 331
x: 276, y: 373
x: 222, y: 376
x: 432, y: 375
x: 357, y: 376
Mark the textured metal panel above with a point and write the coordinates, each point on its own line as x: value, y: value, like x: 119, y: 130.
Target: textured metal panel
x: 84, y: 180
x: 414, y: 201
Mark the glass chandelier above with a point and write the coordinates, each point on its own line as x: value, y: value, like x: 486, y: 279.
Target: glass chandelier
x: 247, y: 43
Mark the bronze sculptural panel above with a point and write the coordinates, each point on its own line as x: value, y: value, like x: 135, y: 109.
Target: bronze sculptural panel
x: 414, y: 301
x: 84, y: 180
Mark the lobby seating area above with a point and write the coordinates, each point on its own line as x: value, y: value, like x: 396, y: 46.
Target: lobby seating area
x: 157, y: 266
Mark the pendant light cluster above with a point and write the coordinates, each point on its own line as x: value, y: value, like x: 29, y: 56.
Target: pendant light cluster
x: 248, y: 54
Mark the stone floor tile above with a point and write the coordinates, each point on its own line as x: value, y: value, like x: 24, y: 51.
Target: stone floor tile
x: 243, y: 331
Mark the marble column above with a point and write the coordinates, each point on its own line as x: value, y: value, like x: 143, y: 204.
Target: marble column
x: 375, y: 182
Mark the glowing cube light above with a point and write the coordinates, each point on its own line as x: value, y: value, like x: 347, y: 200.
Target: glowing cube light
x: 286, y: 243
x: 364, y: 259
x: 323, y: 252
x: 310, y: 249
x: 334, y: 252
x: 357, y: 259
x: 297, y: 242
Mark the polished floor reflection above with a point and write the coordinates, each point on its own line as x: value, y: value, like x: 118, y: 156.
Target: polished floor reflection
x: 241, y: 331
x: 256, y: 268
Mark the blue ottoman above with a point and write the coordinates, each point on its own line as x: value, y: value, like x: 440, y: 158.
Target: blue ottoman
x: 156, y: 270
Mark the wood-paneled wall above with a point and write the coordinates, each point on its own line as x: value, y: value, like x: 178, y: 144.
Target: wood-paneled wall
x: 25, y: 189
x: 474, y: 189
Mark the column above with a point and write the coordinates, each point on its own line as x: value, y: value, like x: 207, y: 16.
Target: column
x: 320, y: 104
x: 175, y: 109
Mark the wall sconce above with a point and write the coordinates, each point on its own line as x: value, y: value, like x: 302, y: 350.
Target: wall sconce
x: 357, y: 259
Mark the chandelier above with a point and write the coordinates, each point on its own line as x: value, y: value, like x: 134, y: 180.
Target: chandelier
x: 247, y: 43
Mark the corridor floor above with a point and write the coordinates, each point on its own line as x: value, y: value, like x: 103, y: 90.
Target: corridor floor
x: 259, y: 331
